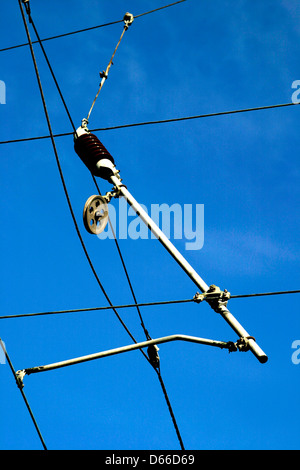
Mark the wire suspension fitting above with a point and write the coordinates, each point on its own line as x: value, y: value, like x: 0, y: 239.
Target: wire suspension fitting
x: 128, y: 20
x: 214, y: 297
x: 28, y: 9
x: 92, y: 152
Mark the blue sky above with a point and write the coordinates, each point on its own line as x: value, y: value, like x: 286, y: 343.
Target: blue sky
x: 194, y: 58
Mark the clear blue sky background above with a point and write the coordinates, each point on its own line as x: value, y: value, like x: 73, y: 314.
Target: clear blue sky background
x: 198, y: 57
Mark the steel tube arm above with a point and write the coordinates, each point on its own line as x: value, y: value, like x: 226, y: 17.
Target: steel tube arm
x: 160, y: 235
x: 123, y: 349
x: 190, y: 271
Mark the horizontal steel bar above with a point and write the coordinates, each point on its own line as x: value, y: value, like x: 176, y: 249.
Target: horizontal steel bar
x: 189, y: 270
x: 123, y: 349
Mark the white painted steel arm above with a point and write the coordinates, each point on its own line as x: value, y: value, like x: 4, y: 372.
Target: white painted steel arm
x: 223, y: 311
x: 160, y: 235
x: 123, y: 349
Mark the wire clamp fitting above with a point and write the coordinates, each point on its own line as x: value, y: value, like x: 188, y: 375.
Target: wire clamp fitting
x: 20, y: 374
x: 153, y: 355
x: 28, y: 9
x: 84, y: 124
x: 128, y: 20
x: 232, y: 347
x: 198, y: 298
x: 114, y: 193
x: 214, y: 296
x: 103, y: 74
x: 243, y: 343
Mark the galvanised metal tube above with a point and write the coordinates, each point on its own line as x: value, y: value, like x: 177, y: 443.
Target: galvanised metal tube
x: 224, y: 312
x: 160, y: 235
x: 123, y: 349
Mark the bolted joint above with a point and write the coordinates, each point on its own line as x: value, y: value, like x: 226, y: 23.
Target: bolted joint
x: 243, y: 343
x: 216, y: 298
x: 103, y: 74
x: 20, y: 374
x: 232, y: 347
x: 128, y: 20
x: 28, y: 9
x: 198, y: 298
x: 153, y: 355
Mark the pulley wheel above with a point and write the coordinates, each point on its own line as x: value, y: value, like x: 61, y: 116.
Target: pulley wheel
x: 95, y: 214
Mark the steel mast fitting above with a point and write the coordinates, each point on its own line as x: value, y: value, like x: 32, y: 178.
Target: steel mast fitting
x: 99, y: 161
x: 154, y: 359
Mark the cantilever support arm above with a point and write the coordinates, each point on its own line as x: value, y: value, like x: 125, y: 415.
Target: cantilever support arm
x: 166, y: 339
x: 222, y: 309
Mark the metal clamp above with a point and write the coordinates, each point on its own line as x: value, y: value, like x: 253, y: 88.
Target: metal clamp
x: 103, y: 74
x: 128, y: 20
x: 20, y: 374
x: 153, y: 355
x: 214, y: 296
x: 28, y: 9
x: 243, y: 343
x: 114, y: 193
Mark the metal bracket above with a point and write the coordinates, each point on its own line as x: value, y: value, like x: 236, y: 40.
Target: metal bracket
x: 28, y: 9
x: 214, y: 297
x: 153, y: 355
x: 103, y: 74
x: 128, y: 20
x: 116, y: 191
x: 20, y: 374
x: 84, y: 124
x: 243, y: 343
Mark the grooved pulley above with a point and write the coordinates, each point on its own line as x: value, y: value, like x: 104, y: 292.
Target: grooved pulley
x: 95, y: 214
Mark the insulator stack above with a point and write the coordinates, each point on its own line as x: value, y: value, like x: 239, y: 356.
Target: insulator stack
x: 91, y: 151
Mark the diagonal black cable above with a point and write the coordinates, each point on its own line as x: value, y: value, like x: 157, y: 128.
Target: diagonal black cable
x: 95, y: 309
x: 74, y: 128
x: 145, y: 304
x: 161, y: 121
x: 52, y: 73
x: 27, y: 7
x: 20, y: 387
x: 125, y: 269
x: 87, y: 29
x: 63, y: 180
x: 61, y: 35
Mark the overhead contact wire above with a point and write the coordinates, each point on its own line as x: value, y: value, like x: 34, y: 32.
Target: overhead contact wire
x: 87, y: 29
x: 125, y: 269
x: 161, y: 121
x: 23, y: 394
x: 148, y: 337
x: 63, y: 180
x: 53, y: 74
x: 74, y: 128
x: 145, y: 304
x: 105, y: 74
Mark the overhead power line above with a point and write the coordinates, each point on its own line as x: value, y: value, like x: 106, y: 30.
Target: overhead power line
x: 58, y: 312
x: 52, y: 136
x: 88, y: 29
x: 128, y: 19
x: 244, y: 296
x: 62, y: 176
x: 161, y: 121
x: 125, y: 269
x: 20, y: 387
x: 155, y: 366
x: 145, y: 304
